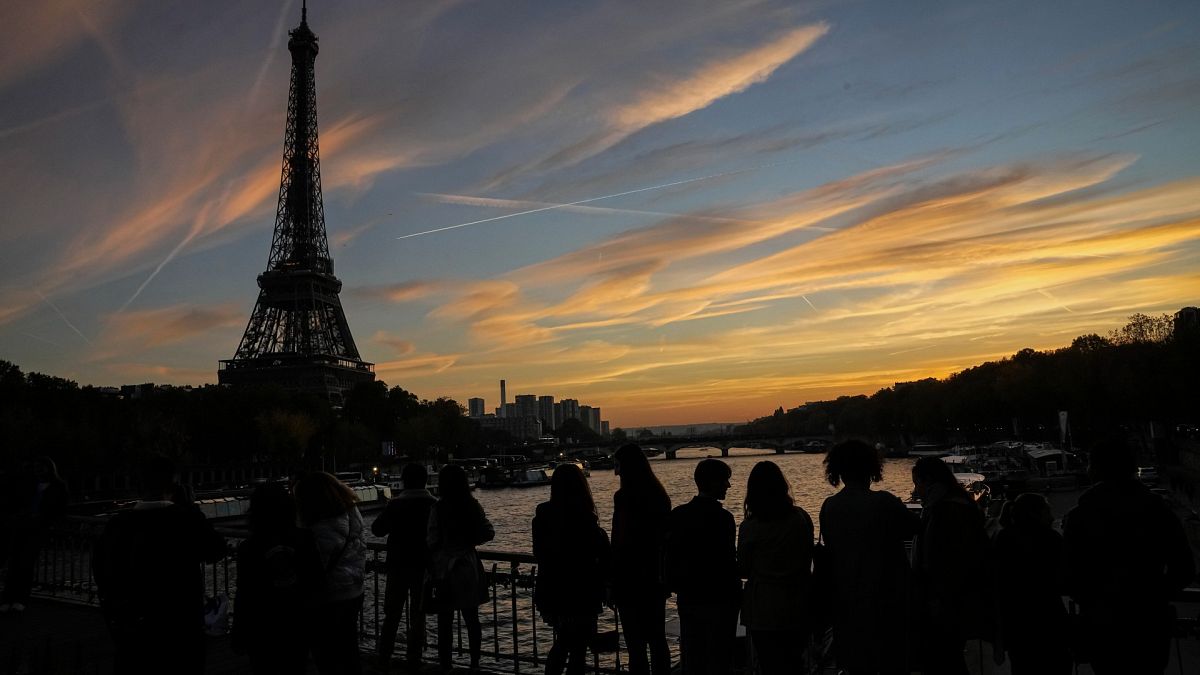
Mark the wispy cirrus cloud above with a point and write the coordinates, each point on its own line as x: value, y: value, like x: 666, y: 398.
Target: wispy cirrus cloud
x: 917, y: 263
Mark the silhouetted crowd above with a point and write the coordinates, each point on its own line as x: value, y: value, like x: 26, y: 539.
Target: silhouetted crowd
x: 1121, y: 557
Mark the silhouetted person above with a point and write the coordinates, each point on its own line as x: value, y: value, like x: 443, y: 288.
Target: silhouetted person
x: 774, y: 553
x: 1030, y: 580
x: 864, y: 531
x: 702, y: 571
x: 327, y: 508
x: 147, y: 565
x: 949, y: 559
x: 1127, y: 555
x: 405, y: 523
x: 572, y: 555
x: 278, y: 571
x: 457, y: 525
x: 640, y: 510
x: 39, y: 500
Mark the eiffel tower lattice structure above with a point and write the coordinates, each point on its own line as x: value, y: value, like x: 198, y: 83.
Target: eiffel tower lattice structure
x: 298, y: 336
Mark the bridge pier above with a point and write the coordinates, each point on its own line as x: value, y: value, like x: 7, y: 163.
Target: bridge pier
x: 725, y: 451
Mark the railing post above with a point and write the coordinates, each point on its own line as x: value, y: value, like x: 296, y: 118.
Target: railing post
x: 533, y: 612
x: 513, y: 598
x: 495, y: 614
x: 375, y: 558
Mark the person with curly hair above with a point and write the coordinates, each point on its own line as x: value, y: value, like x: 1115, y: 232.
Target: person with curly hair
x: 864, y: 532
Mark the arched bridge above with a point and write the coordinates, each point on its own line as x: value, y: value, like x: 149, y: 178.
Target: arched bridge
x: 670, y: 446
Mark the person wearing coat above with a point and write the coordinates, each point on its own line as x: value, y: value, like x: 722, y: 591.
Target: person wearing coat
x: 405, y: 523
x: 774, y: 553
x: 1127, y: 557
x: 950, y: 558
x: 701, y: 569
x: 1030, y: 581
x: 37, y: 504
x: 277, y: 569
x: 327, y: 508
x: 572, y: 556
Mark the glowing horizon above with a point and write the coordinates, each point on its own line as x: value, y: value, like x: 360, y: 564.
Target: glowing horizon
x: 680, y: 214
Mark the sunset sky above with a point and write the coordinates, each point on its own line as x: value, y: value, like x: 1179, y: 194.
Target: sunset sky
x: 783, y: 201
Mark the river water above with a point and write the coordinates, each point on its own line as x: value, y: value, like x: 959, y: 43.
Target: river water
x: 511, y: 512
x: 511, y: 509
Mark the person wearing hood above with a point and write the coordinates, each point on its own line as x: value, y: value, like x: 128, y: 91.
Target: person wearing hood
x: 1127, y: 555
x: 405, y: 521
x: 572, y: 555
x: 327, y: 508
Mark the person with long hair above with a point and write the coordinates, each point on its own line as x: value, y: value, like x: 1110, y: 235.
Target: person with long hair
x: 277, y: 568
x: 572, y: 555
x: 456, y: 582
x: 1030, y: 581
x: 640, y: 510
x: 950, y: 556
x: 864, y: 532
x: 328, y: 509
x: 774, y: 553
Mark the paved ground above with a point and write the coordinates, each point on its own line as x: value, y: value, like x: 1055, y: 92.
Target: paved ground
x: 58, y: 637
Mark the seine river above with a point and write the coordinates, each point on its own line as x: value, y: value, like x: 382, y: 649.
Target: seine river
x: 511, y: 509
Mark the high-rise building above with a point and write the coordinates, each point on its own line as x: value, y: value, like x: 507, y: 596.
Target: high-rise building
x: 546, y: 412
x: 475, y: 407
x: 558, y: 414
x: 594, y: 419
x: 522, y: 428
x: 503, y: 400
x: 509, y: 410
x: 604, y: 428
x: 298, y: 336
x: 570, y: 409
x: 585, y: 416
x: 527, y: 405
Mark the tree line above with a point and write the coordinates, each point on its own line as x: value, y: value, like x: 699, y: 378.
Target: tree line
x: 1145, y: 372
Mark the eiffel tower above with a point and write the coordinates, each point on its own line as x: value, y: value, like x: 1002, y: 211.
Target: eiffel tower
x: 298, y: 336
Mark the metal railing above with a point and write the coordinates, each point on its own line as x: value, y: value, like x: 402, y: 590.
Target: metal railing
x: 514, y: 639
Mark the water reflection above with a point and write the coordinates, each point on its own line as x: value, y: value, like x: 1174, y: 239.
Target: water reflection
x: 511, y: 509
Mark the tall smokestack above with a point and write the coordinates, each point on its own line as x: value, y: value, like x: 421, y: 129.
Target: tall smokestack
x: 503, y: 398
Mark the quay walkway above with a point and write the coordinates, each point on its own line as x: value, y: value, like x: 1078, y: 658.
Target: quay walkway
x: 53, y: 636
x: 62, y: 631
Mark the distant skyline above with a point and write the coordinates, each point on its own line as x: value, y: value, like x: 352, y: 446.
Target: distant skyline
x: 681, y: 212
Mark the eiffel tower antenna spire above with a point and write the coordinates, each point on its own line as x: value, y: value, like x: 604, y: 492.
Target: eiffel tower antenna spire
x: 298, y: 336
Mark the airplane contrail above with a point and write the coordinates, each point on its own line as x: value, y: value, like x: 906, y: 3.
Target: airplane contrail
x: 61, y: 315
x: 586, y: 201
